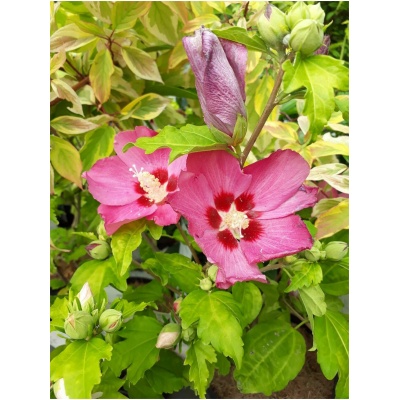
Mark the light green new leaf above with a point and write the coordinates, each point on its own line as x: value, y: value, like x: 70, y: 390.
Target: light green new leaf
x: 58, y: 313
x: 248, y: 295
x: 331, y: 334
x: 325, y: 204
x: 98, y: 274
x: 342, y: 102
x: 320, y: 75
x: 100, y: 75
x: 189, y: 138
x: 57, y: 61
x: 218, y: 316
x: 72, y: 125
x: 333, y: 220
x: 198, y: 356
x: 336, y: 277
x: 240, y: 35
x: 205, y: 19
x: 161, y: 22
x: 98, y: 144
x: 138, y: 351
x: 125, y: 13
x: 146, y: 107
x: 314, y: 300
x: 141, y: 64
x: 274, y: 353
x: 166, y: 376
x: 124, y: 241
x: 64, y: 91
x: 65, y: 160
x: 306, y: 274
x: 79, y: 365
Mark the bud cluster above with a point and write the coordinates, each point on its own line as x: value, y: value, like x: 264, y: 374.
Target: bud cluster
x: 301, y: 29
x: 333, y: 251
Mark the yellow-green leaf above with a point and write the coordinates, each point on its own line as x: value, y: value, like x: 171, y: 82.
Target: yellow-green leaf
x: 284, y: 131
x: 66, y: 160
x: 333, y: 220
x: 323, y: 148
x: 178, y: 55
x: 124, y: 14
x: 320, y: 172
x: 57, y: 61
x: 145, y: 107
x: 196, y: 23
x: 100, y: 9
x: 100, y: 75
x: 141, y: 64
x: 64, y: 91
x: 72, y: 125
x: 69, y: 37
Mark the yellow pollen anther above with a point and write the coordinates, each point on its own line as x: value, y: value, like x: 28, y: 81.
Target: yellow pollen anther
x: 234, y: 220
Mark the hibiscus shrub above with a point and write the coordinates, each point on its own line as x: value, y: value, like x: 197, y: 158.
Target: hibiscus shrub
x: 199, y: 195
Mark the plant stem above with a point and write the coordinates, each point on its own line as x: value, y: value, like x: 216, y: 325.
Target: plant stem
x: 296, y: 314
x: 76, y: 87
x: 185, y: 238
x: 150, y: 241
x: 301, y: 323
x: 266, y: 113
x: 272, y: 267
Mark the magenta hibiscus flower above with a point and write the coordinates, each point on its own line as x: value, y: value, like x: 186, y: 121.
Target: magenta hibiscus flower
x: 133, y: 185
x: 241, y: 217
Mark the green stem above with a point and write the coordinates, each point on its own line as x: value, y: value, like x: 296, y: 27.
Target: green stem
x: 185, y: 238
x: 301, y: 323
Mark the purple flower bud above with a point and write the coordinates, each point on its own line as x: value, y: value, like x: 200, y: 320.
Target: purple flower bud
x: 219, y: 67
x: 324, y: 49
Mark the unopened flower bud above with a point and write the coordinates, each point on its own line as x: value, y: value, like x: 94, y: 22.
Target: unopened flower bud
x: 59, y: 389
x: 86, y: 299
x: 169, y: 336
x: 336, y: 250
x: 272, y: 27
x: 177, y: 304
x: 99, y: 249
x: 316, y: 12
x: 188, y: 334
x: 212, y: 272
x: 290, y: 259
x: 206, y: 284
x: 79, y: 325
x: 297, y: 13
x: 312, y: 254
x: 110, y: 320
x: 306, y: 37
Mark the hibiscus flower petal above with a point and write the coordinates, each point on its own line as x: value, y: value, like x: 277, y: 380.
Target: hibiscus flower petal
x: 275, y: 238
x: 125, y: 137
x: 110, y: 182
x: 276, y: 179
x: 164, y: 215
x: 232, y: 264
x: 222, y: 172
x: 176, y: 167
x: 192, y: 200
x: 116, y: 216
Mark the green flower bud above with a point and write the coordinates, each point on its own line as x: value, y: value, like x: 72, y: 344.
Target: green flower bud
x: 86, y: 299
x: 336, y: 250
x: 312, y: 254
x: 290, y: 259
x: 306, y: 37
x: 297, y: 13
x: 212, y: 272
x: 206, y: 284
x: 79, y: 325
x: 169, y: 336
x: 99, y: 249
x: 272, y: 27
x: 188, y: 334
x: 316, y: 13
x: 110, y: 320
x: 59, y: 389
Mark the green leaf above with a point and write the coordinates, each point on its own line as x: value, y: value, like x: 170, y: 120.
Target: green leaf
x: 72, y: 125
x: 154, y: 229
x: 199, y: 356
x: 189, y: 138
x: 58, y: 314
x: 57, y: 61
x: 125, y: 241
x: 274, y: 353
x: 205, y: 19
x: 176, y: 269
x: 320, y: 172
x: 65, y: 160
x: 178, y: 55
x: 306, y: 274
x: 69, y: 37
x: 141, y: 64
x: 166, y: 376
x: 240, y: 35
x: 138, y: 351
x: 314, y: 300
x: 161, y: 22
x: 248, y: 295
x: 125, y: 13
x: 283, y: 130
x: 167, y: 90
x: 109, y: 383
x: 342, y: 103
x: 323, y: 148
x: 331, y: 334
x: 149, y: 292
x: 218, y: 316
x: 142, y: 390
x: 98, y: 274
x: 333, y: 220
x: 336, y: 277
x: 98, y: 144
x: 146, y: 107
x: 128, y: 308
x: 79, y: 365
x: 320, y: 75
x: 100, y: 9
x: 100, y: 75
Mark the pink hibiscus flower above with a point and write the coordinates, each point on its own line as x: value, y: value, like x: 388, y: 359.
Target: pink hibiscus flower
x: 133, y: 185
x: 242, y: 217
